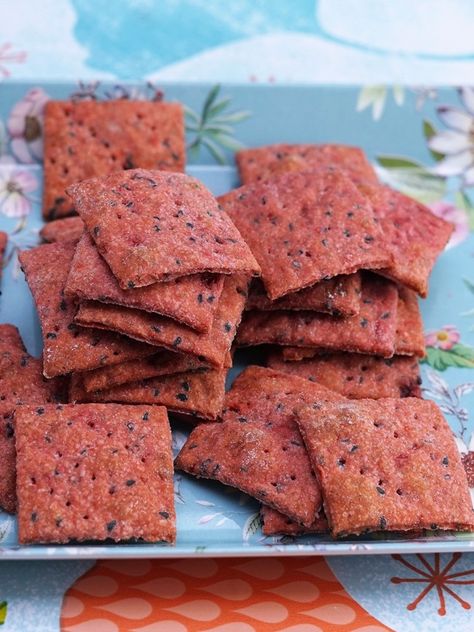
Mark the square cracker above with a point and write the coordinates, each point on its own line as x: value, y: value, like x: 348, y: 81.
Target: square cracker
x: 191, y: 300
x: 21, y: 382
x: 67, y: 229
x: 413, y: 235
x: 212, y: 347
x: 371, y: 331
x: 155, y: 226
x: 94, y: 472
x: 257, y: 447
x: 197, y: 393
x: 162, y: 363
x: 276, y: 523
x: 409, y: 337
x: 386, y: 464
x: 357, y: 376
x: 83, y: 139
x: 339, y: 296
x: 306, y: 227
x: 269, y: 161
x: 67, y: 347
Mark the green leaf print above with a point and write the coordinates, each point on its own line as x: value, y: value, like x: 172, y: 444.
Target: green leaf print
x: 412, y: 178
x: 3, y: 612
x: 459, y: 356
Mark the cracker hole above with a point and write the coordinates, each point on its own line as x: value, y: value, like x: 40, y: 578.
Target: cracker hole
x: 293, y: 477
x: 396, y: 435
x: 399, y: 492
x: 76, y: 465
x: 68, y: 503
x: 33, y: 480
x: 266, y: 451
x: 91, y: 424
x: 377, y: 424
x: 85, y: 517
x: 364, y: 368
x: 361, y: 471
x: 51, y: 491
x: 143, y: 460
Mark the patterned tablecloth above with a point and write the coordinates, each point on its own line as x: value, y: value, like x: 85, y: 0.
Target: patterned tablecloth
x: 421, y: 42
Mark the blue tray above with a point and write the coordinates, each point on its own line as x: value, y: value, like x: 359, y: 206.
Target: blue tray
x: 214, y: 520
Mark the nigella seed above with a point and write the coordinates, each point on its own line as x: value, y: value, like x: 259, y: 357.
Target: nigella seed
x: 211, y: 298
x: 324, y: 242
x: 242, y: 420
x: 227, y: 327
x: 156, y: 392
x: 146, y: 416
x: 156, y: 328
x: 24, y: 361
x: 63, y: 305
x: 164, y: 514
x: 354, y: 448
x: 200, y: 298
x: 9, y: 432
x: 263, y: 200
x: 364, y: 322
x: 296, y: 264
x: 130, y: 482
x: 347, y: 233
x: 131, y: 284
x: 290, y: 226
x: 383, y: 522
x: 380, y: 490
x: 34, y: 516
x: 129, y: 204
x: 131, y: 426
x: 182, y: 397
x: 350, y: 214
x: 177, y: 341
x: 445, y: 461
x: 385, y: 315
x: 111, y: 525
x: 96, y: 231
x: 51, y: 335
x: 433, y: 526
x: 185, y: 386
x: 368, y: 239
x: 59, y: 522
x: 39, y: 411
x: 341, y: 462
x: 157, y: 229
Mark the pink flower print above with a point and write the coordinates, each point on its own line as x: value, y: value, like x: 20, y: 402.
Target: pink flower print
x: 25, y: 126
x: 444, y: 338
x: 456, y: 216
x: 15, y: 189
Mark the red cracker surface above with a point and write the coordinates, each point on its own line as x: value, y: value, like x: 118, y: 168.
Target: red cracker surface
x: 276, y: 523
x: 306, y: 227
x: 155, y: 226
x: 414, y: 236
x: 269, y: 161
x: 162, y: 363
x: 21, y: 382
x: 357, y: 376
x: 93, y: 472
x: 371, y: 331
x: 67, y: 229
x: 191, y: 300
x: 199, y: 394
x: 212, y: 347
x: 83, y: 139
x: 257, y: 447
x: 67, y: 347
x: 3, y: 246
x: 387, y: 464
x: 339, y: 296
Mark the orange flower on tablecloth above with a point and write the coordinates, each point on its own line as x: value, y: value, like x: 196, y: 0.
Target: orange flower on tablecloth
x: 222, y: 595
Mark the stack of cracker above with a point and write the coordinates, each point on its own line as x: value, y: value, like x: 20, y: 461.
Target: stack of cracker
x: 342, y: 259
x: 144, y: 307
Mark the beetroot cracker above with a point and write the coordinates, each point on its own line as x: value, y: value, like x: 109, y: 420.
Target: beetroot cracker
x: 191, y: 300
x: 154, y: 226
x: 162, y: 363
x: 267, y: 162
x: 94, y: 472
x: 257, y: 446
x: 196, y: 393
x: 21, y: 382
x: 83, y: 139
x: 68, y: 347
x: 372, y: 331
x: 387, y: 464
x: 67, y: 229
x: 212, y: 347
x: 413, y: 235
x: 276, y: 523
x: 306, y: 227
x: 357, y: 376
x: 339, y: 296
x: 410, y: 339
